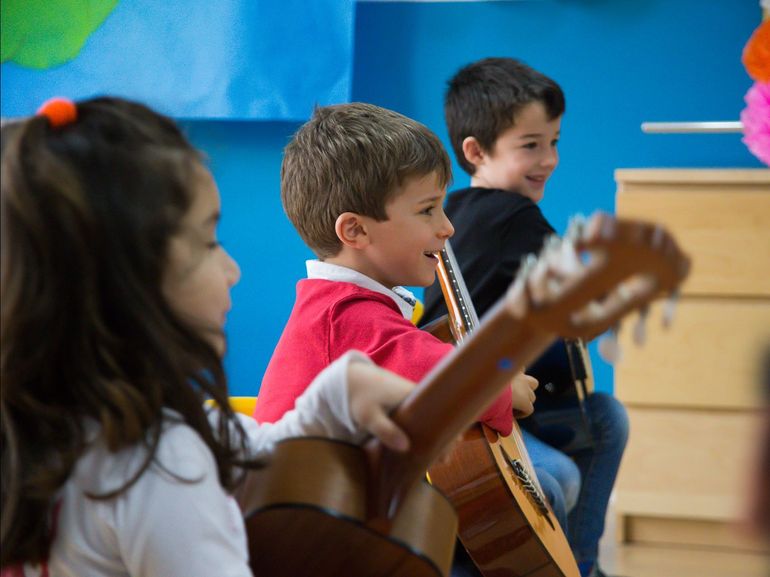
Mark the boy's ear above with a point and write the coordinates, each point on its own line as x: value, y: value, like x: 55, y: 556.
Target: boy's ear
x: 351, y: 230
x: 473, y: 151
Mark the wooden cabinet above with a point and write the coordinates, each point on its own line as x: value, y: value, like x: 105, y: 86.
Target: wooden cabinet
x: 692, y: 392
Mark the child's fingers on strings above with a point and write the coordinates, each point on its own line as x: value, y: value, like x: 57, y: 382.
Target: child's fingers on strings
x: 379, y: 425
x: 373, y: 392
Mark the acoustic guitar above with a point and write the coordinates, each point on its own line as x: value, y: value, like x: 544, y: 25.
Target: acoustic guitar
x: 326, y: 508
x: 506, y: 524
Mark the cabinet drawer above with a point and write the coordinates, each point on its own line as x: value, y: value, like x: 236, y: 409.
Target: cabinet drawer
x: 687, y: 464
x: 723, y: 224
x: 709, y: 358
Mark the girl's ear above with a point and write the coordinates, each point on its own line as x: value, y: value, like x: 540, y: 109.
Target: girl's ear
x: 473, y: 151
x: 351, y: 230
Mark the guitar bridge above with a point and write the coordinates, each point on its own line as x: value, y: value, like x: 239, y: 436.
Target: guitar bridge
x: 529, y: 487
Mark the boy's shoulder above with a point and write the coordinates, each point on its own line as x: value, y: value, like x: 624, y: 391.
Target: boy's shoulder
x: 479, y: 196
x: 339, y: 295
x: 499, y: 205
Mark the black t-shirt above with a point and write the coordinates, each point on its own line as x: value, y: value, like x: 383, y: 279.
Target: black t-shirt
x: 494, y: 230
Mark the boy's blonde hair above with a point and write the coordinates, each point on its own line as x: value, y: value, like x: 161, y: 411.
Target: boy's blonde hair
x: 353, y: 158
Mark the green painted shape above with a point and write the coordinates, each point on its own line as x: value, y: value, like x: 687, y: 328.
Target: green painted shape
x: 46, y: 33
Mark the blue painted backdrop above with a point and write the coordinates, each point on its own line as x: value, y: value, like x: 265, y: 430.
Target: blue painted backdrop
x: 234, y: 59
x: 619, y: 62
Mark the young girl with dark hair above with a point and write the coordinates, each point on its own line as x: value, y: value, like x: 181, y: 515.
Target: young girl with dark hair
x: 114, y: 296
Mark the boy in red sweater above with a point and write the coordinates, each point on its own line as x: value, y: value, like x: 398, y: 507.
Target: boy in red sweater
x: 364, y: 187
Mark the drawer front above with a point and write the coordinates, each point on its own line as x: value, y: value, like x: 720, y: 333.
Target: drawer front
x: 727, y: 235
x: 709, y: 358
x: 688, y: 464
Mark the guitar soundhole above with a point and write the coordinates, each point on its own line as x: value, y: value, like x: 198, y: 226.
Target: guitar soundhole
x: 530, y: 489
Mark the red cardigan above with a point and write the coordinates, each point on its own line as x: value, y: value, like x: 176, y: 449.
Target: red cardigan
x: 330, y: 318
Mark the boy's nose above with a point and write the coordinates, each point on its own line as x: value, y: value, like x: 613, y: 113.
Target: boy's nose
x: 447, y: 229
x: 551, y: 158
x: 233, y: 271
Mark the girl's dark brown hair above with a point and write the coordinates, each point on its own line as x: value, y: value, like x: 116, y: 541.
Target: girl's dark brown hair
x: 87, y: 336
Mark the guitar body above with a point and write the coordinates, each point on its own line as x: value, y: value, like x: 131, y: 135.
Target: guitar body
x: 502, y: 528
x: 314, y: 523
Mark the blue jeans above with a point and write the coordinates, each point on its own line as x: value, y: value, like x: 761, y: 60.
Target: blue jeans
x: 578, y: 484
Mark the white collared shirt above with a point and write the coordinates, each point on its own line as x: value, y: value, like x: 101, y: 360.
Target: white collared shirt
x: 403, y: 298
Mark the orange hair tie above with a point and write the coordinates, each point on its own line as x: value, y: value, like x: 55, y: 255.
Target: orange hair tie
x: 59, y: 111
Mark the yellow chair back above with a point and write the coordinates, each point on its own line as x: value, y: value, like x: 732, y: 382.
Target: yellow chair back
x: 243, y: 405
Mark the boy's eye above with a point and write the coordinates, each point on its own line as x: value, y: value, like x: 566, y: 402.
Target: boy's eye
x: 530, y: 145
x: 214, y: 244
x: 555, y: 142
x: 428, y: 210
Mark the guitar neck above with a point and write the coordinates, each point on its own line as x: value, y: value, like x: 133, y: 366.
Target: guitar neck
x: 461, y: 312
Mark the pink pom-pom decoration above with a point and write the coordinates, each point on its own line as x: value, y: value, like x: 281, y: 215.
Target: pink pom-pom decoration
x: 756, y: 121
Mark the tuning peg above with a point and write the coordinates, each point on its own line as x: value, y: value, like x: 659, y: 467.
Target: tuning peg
x: 528, y: 262
x: 569, y: 259
x: 576, y: 227
x: 669, y: 306
x: 538, y: 281
x: 551, y: 243
x: 609, y: 348
x: 640, y: 328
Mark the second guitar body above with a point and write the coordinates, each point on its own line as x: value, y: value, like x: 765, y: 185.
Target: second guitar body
x: 504, y: 524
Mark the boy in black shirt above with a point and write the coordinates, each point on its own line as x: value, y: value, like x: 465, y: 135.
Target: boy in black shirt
x: 504, y: 120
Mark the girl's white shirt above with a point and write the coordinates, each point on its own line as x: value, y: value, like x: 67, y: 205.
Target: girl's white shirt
x: 165, y: 527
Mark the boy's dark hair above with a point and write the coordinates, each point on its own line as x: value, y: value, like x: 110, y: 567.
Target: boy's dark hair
x: 87, y: 213
x: 483, y: 99
x: 352, y: 158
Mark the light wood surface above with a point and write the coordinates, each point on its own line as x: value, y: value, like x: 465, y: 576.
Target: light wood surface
x: 695, y: 533
x: 708, y: 358
x: 726, y: 224
x: 653, y: 559
x: 717, y: 179
x: 661, y: 561
x: 700, y: 474
x: 692, y: 392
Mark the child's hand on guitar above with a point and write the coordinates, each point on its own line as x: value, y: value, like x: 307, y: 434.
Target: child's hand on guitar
x: 373, y: 392
x: 523, y: 390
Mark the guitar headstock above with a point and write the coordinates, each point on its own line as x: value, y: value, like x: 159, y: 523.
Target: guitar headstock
x: 603, y: 268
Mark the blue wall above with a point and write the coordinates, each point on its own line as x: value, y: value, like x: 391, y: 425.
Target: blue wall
x: 619, y: 62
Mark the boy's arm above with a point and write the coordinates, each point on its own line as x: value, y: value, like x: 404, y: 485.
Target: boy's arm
x: 396, y: 344
x: 417, y: 352
x: 498, y: 416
